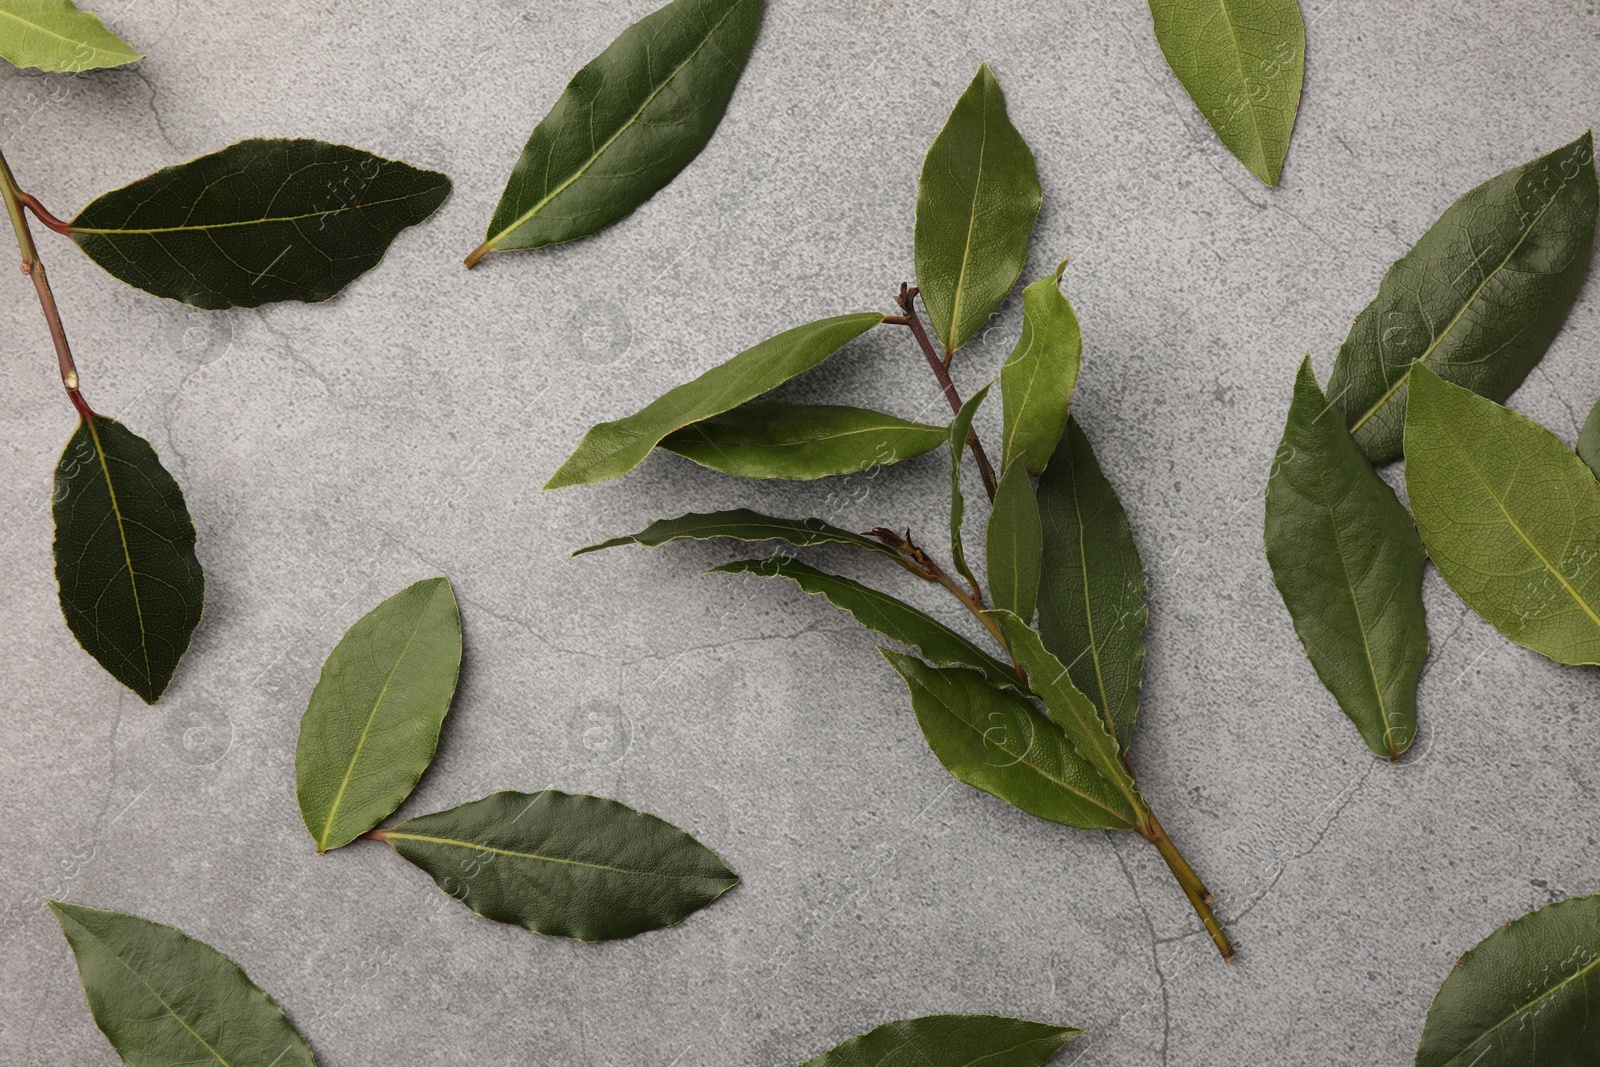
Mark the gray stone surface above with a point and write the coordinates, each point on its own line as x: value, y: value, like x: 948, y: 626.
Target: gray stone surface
x: 332, y: 454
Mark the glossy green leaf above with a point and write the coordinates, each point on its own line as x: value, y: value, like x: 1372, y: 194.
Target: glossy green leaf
x: 626, y: 125
x: 612, y: 449
x: 950, y: 1041
x: 801, y: 442
x: 1588, y: 448
x: 131, y: 587
x: 1092, y: 609
x: 884, y: 614
x: 163, y: 998
x: 1524, y: 997
x: 568, y: 866
x: 1079, y: 719
x: 1349, y: 564
x: 1509, y: 516
x: 53, y: 35
x: 960, y: 428
x: 1038, y: 380
x: 993, y: 739
x: 1014, y: 546
x: 1478, y: 299
x: 259, y: 221
x: 374, y: 719
x: 976, y: 205
x: 1242, y: 63
x: 743, y: 525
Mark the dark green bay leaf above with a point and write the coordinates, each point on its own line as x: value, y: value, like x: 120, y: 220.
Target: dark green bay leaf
x: 131, y: 587
x: 163, y: 998
x: 1588, y: 447
x: 950, y: 1041
x: 373, y: 722
x: 744, y: 525
x: 1348, y: 563
x: 1242, y: 63
x: 1092, y: 606
x: 976, y: 205
x: 801, y: 442
x: 1038, y: 380
x: 1478, y: 299
x: 54, y: 36
x: 960, y: 427
x: 563, y: 865
x: 1014, y: 544
x: 1067, y: 707
x: 993, y: 739
x: 612, y: 449
x: 260, y: 221
x: 626, y: 125
x: 1524, y: 997
x: 884, y: 614
x: 1509, y: 516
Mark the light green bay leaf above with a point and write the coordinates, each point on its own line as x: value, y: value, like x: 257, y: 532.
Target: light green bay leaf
x: 1014, y: 544
x: 977, y: 201
x: 1038, y: 380
x: 960, y: 431
x: 161, y: 997
x: 1092, y: 605
x: 1524, y: 997
x: 1242, y: 63
x: 627, y: 124
x: 1509, y: 516
x: 373, y: 722
x: 131, y: 587
x: 257, y: 222
x: 568, y: 866
x: 742, y: 524
x: 1348, y: 563
x: 54, y: 36
x: 950, y: 1041
x: 1478, y: 299
x: 801, y: 442
x: 993, y: 739
x: 883, y: 614
x: 612, y: 449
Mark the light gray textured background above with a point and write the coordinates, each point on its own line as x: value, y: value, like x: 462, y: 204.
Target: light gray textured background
x: 332, y: 454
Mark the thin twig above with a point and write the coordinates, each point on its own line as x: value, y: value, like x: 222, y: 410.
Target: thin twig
x: 941, y: 370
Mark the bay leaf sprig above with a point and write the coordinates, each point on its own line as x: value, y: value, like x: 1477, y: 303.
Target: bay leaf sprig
x: 563, y: 865
x: 628, y: 123
x: 1040, y: 718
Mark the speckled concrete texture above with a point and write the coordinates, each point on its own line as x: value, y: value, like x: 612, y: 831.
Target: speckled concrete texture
x: 331, y: 454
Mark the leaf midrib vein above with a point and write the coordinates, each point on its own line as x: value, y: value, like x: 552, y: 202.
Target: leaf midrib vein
x: 186, y: 228
x: 127, y: 555
x: 972, y: 222
x: 1523, y: 1009
x: 392, y: 835
x: 69, y: 40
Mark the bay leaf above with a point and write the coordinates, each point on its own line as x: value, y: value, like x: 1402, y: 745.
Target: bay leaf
x: 373, y: 722
x: 567, y: 866
x: 54, y: 36
x: 627, y: 124
x: 883, y: 614
x: 1348, y: 563
x: 992, y: 739
x: 1588, y: 447
x: 1478, y: 299
x: 1038, y: 380
x: 259, y: 221
x: 960, y: 426
x: 1242, y: 62
x: 1067, y: 707
x: 1014, y: 545
x: 1092, y: 607
x: 612, y: 449
x: 1509, y: 516
x: 161, y: 997
x: 131, y: 587
x: 950, y: 1041
x: 1524, y: 997
x: 801, y: 442
x: 977, y: 201
x: 742, y: 524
